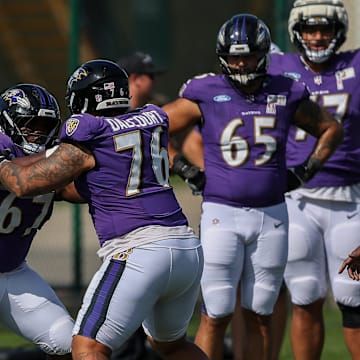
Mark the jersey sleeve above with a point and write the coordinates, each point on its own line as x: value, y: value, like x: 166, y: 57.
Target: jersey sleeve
x: 193, y: 88
x: 80, y: 128
x: 5, y: 142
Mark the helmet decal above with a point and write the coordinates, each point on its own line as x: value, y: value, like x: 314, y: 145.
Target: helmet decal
x: 109, y: 86
x: 78, y: 74
x: 16, y: 97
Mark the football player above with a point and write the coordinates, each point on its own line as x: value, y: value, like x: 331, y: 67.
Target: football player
x: 325, y: 213
x: 152, y: 260
x: 244, y: 116
x: 29, y: 121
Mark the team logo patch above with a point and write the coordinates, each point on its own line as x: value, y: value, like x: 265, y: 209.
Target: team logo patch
x: 318, y: 80
x: 222, y: 98
x: 123, y: 256
x: 78, y: 74
x: 71, y: 126
x: 16, y: 97
x: 271, y: 108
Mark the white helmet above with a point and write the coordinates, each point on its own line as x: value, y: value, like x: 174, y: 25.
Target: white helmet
x: 318, y: 12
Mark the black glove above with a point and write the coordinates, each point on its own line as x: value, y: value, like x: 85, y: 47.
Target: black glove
x: 191, y: 174
x: 6, y: 154
x: 301, y: 174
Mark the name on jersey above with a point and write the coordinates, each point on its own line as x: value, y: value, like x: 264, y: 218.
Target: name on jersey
x: 145, y: 119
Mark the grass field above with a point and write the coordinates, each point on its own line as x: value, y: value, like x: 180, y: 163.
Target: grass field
x: 334, y: 348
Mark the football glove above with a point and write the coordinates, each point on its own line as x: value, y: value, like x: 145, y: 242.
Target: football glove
x: 301, y: 174
x: 193, y: 176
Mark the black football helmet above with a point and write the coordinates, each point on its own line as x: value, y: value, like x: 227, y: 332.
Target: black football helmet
x: 318, y: 12
x: 98, y: 86
x: 242, y: 35
x: 30, y: 116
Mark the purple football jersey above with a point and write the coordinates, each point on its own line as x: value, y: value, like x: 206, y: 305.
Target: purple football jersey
x: 337, y: 90
x: 129, y: 186
x: 20, y: 218
x: 244, y: 137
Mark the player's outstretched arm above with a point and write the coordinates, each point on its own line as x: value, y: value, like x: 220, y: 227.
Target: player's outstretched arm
x: 48, y: 174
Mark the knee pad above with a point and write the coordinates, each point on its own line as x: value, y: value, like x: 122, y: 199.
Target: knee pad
x: 261, y: 301
x: 219, y: 301
x: 59, y: 337
x: 305, y: 290
x: 350, y: 316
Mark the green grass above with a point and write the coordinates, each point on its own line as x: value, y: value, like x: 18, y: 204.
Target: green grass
x: 334, y: 348
x: 10, y: 340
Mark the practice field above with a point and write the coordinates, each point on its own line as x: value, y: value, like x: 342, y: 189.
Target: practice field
x: 51, y: 256
x: 334, y: 348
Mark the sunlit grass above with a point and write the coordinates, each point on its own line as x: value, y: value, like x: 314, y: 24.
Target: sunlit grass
x: 334, y: 347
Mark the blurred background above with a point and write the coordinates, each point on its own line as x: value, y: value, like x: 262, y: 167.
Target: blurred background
x: 42, y: 41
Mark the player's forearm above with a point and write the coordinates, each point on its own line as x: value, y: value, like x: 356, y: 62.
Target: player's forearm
x: 327, y: 143
x: 28, y: 180
x: 47, y: 174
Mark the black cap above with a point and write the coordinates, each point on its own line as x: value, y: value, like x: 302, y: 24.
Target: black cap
x: 139, y: 63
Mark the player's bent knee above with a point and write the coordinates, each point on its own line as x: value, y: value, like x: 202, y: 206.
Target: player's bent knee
x: 346, y: 292
x: 305, y: 291
x: 166, y: 348
x: 350, y: 316
x: 220, y: 301
x: 59, y: 337
x: 261, y: 302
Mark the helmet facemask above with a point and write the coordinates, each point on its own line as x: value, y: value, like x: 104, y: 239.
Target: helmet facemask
x: 316, y: 56
x: 318, y: 13
x: 34, y: 134
x: 30, y: 116
x: 244, y: 35
x: 244, y: 78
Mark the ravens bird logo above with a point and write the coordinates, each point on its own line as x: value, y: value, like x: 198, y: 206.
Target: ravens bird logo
x: 16, y: 97
x: 79, y: 74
